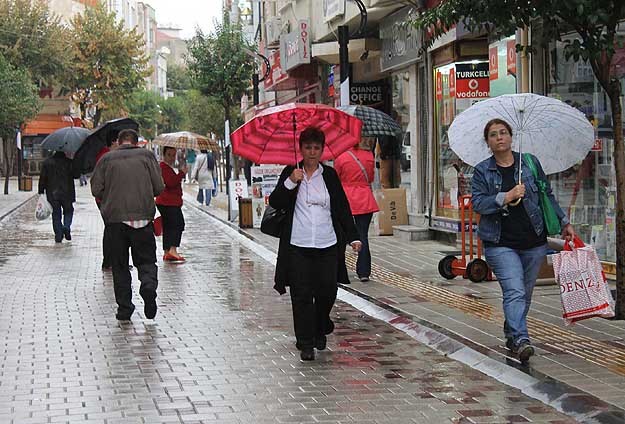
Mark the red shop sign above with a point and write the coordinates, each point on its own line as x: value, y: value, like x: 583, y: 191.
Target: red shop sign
x: 511, y: 57
x: 452, y: 82
x: 439, y: 86
x: 472, y: 80
x: 493, y: 63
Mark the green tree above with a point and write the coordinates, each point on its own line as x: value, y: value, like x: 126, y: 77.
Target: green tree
x: 596, y: 22
x: 174, y: 116
x: 178, y: 79
x: 220, y: 67
x: 20, y: 102
x: 32, y: 38
x: 109, y: 63
x: 205, y: 114
x: 143, y: 106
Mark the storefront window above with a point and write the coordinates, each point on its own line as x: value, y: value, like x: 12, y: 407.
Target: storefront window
x: 401, y: 105
x: 587, y: 191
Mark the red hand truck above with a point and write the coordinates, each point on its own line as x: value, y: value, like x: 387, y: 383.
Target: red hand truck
x: 475, y: 269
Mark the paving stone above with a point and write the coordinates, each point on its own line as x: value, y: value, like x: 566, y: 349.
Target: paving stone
x: 221, y: 348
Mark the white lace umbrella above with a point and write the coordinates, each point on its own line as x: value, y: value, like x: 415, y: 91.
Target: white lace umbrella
x: 556, y: 133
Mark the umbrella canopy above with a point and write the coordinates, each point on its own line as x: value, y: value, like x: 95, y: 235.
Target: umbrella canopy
x: 556, y: 133
x: 375, y: 122
x: 272, y: 135
x: 102, y: 136
x: 66, y: 139
x: 186, y: 140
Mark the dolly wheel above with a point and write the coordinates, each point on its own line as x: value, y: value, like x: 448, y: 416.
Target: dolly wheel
x: 445, y: 267
x: 477, y: 270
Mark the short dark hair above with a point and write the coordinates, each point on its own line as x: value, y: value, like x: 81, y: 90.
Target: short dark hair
x: 312, y: 134
x: 495, y: 122
x: 166, y: 148
x: 128, y: 135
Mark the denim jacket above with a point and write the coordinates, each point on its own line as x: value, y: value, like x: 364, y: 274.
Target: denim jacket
x: 488, y: 199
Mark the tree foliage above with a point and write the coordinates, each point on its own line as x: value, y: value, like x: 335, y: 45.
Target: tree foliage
x: 178, y: 78
x: 109, y: 62
x: 19, y: 102
x: 219, y: 66
x: 143, y: 106
x: 32, y: 38
x: 596, y: 23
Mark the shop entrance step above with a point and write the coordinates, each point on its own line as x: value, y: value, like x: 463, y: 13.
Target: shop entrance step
x: 411, y: 232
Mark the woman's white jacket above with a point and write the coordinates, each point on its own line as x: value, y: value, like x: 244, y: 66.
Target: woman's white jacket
x: 202, y: 174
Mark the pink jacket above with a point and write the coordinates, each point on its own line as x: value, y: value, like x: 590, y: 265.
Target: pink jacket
x: 356, y: 188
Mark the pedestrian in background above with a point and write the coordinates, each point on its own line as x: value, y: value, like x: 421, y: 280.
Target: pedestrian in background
x: 127, y: 180
x: 204, y: 174
x: 513, y: 233
x: 355, y: 169
x: 317, y: 217
x: 191, y: 157
x: 169, y: 204
x: 57, y: 182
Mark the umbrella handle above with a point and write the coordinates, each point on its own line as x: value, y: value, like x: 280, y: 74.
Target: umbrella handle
x: 516, y: 202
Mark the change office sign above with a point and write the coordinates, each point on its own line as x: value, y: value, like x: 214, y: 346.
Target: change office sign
x: 369, y: 94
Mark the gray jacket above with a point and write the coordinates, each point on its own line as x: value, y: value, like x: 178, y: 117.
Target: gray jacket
x: 127, y: 180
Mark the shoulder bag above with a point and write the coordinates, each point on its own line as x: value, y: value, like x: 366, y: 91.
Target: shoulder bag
x: 552, y: 223
x: 273, y: 221
x: 362, y: 168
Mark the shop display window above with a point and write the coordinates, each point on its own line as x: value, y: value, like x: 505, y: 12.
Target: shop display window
x: 587, y: 191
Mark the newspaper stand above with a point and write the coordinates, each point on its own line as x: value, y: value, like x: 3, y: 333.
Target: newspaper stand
x: 475, y: 269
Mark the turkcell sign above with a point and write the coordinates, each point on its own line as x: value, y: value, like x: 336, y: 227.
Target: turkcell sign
x: 472, y: 80
x: 295, y: 46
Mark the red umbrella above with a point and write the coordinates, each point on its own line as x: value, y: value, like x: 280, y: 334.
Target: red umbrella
x: 272, y: 135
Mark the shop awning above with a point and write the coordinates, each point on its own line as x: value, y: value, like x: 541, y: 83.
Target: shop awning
x: 329, y: 51
x: 44, y: 124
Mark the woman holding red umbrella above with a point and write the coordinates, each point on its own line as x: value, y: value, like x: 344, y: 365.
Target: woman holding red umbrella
x: 317, y: 217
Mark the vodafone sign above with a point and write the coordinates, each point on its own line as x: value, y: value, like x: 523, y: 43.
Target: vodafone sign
x: 472, y: 80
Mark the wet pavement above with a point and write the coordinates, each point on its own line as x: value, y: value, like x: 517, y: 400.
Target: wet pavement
x: 220, y: 350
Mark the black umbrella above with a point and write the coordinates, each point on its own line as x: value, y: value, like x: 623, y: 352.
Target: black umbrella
x: 102, y: 136
x: 66, y: 139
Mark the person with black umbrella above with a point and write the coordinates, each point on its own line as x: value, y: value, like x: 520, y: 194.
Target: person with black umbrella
x: 57, y: 183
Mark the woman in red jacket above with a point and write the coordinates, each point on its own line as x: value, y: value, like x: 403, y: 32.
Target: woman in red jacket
x: 169, y: 204
x: 355, y: 169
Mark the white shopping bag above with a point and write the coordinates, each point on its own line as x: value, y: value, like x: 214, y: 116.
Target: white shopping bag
x: 584, y: 290
x: 43, y: 209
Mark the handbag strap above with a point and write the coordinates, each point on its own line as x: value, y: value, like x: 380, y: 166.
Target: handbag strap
x: 362, y: 168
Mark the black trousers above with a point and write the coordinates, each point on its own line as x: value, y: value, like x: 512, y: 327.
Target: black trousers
x: 173, y: 225
x: 106, y: 246
x: 313, y: 292
x: 142, y: 246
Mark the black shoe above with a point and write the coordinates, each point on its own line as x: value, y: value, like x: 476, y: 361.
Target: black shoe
x: 363, y: 279
x: 321, y: 342
x: 124, y: 315
x: 307, y: 354
x: 58, y: 239
x: 510, y: 344
x: 68, y: 234
x: 149, y: 309
x: 525, y: 351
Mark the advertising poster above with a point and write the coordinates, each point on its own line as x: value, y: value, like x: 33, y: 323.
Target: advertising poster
x: 264, y: 180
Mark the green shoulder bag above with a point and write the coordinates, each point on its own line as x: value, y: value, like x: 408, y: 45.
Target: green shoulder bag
x: 552, y: 223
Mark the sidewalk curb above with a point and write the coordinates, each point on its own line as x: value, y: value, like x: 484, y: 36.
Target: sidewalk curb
x: 580, y: 405
x: 17, y: 207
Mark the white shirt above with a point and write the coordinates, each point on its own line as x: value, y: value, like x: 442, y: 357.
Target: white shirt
x: 312, y: 220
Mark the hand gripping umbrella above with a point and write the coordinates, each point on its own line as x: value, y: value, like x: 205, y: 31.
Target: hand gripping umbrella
x: 271, y: 136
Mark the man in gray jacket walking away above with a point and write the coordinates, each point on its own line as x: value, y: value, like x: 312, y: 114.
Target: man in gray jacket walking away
x: 127, y: 180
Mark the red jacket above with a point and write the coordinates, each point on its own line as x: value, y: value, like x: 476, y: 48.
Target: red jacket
x: 172, y: 195
x: 356, y: 187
